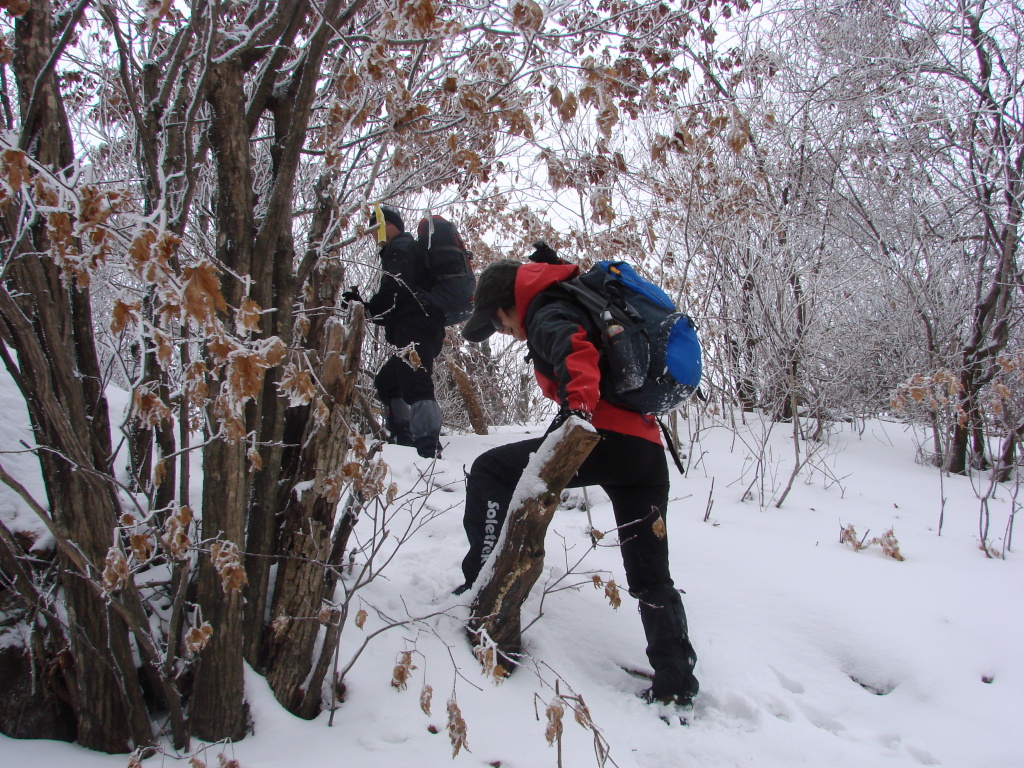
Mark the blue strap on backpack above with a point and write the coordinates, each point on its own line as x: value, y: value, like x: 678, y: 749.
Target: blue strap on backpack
x: 651, y: 352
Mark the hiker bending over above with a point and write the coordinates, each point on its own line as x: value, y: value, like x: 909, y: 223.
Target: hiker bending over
x: 525, y: 301
x: 407, y: 393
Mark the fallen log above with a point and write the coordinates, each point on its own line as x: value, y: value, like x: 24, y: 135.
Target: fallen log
x: 518, y: 558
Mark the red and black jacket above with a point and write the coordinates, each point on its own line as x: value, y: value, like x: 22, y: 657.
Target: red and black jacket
x: 564, y: 349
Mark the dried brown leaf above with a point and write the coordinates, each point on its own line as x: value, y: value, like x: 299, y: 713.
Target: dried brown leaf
x: 328, y: 615
x: 157, y: 10
x: 196, y: 388
x: 221, y: 347
x: 607, y: 118
x: 280, y: 625
x: 890, y: 546
x: 297, y: 385
x: 247, y: 318
x: 227, y: 560
x: 456, y: 728
x: 15, y: 163
x: 554, y: 712
x: 300, y: 329
x: 159, y: 472
x: 527, y: 15
x: 149, y: 409
x: 255, y: 460
x: 611, y: 591
x: 321, y: 412
x: 202, y: 296
x: 426, y: 696
x: 142, y: 546
x: 555, y: 96
x: 244, y: 375
x: 582, y: 714
x: 402, y: 671
x: 848, y: 535
x: 421, y: 13
x: 124, y: 314
x: 567, y: 109
x: 273, y: 350
x: 164, y: 349
x: 115, y: 571
x: 197, y: 637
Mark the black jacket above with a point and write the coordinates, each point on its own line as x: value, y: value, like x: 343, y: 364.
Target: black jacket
x: 405, y: 278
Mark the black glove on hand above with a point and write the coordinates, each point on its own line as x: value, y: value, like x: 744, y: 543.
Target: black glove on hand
x: 545, y: 254
x: 350, y: 296
x: 563, y: 416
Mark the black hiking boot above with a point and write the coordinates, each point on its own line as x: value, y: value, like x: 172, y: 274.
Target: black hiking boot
x: 671, y: 709
x: 668, y: 646
x: 648, y: 697
x: 429, y: 448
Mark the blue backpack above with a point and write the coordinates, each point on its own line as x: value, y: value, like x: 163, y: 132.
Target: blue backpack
x: 650, y: 351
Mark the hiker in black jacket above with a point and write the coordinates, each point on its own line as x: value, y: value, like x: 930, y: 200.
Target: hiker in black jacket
x: 406, y: 387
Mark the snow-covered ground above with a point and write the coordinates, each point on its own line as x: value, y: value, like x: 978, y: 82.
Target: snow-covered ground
x: 811, y: 653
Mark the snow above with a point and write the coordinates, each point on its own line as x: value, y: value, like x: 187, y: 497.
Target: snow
x: 810, y: 653
x: 20, y: 464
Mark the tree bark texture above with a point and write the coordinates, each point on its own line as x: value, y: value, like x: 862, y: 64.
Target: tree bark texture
x: 59, y: 375
x: 469, y: 396
x: 217, y: 710
x: 217, y: 701
x: 517, y: 561
x: 305, y: 579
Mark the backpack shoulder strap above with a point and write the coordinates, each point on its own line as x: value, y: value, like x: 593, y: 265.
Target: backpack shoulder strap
x: 600, y: 294
x: 569, y: 291
x: 591, y: 300
x: 670, y: 444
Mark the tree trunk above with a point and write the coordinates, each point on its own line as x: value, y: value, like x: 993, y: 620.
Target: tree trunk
x: 217, y: 710
x: 1003, y: 470
x: 469, y: 397
x: 217, y: 701
x: 57, y: 369
x: 518, y: 559
x: 957, y: 460
x: 304, y: 580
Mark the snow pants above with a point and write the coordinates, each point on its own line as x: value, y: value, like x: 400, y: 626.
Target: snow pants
x: 631, y: 470
x: 634, y: 474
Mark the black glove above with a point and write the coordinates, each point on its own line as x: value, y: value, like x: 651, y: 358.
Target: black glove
x: 350, y: 296
x: 545, y: 254
x: 563, y: 416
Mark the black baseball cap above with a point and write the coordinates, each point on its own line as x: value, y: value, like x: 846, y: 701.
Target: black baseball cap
x: 390, y: 214
x: 495, y: 289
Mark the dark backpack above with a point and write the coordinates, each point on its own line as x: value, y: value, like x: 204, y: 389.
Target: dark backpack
x: 650, y: 352
x: 449, y: 271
